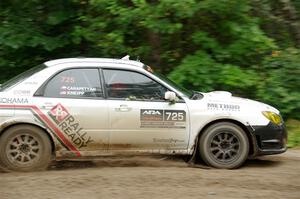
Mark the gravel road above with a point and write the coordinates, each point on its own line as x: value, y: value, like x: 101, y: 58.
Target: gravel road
x: 139, y: 177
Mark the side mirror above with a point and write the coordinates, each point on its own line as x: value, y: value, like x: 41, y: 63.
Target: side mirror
x: 170, y: 96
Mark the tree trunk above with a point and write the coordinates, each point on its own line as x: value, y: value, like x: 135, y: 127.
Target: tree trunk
x: 290, y: 15
x: 154, y: 42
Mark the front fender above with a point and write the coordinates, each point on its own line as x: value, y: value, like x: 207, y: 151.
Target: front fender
x: 201, y: 126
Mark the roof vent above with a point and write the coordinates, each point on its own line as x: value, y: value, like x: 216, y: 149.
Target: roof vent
x: 126, y: 57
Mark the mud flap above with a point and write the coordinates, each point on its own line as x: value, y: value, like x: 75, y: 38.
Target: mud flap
x: 195, y: 160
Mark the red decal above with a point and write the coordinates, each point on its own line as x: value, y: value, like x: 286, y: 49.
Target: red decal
x: 56, y: 130
x: 58, y: 113
x: 50, y: 124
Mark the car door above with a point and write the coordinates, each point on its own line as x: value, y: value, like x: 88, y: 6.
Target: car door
x: 75, y: 110
x: 140, y: 118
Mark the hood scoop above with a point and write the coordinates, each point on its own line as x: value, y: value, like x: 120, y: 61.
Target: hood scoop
x: 220, y: 94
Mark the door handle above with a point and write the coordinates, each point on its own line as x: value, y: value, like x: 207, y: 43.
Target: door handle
x: 123, y: 108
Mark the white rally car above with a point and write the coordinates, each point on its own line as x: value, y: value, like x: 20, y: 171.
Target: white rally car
x: 86, y: 107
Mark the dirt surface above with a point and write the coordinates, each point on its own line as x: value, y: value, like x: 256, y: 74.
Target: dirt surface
x: 139, y: 177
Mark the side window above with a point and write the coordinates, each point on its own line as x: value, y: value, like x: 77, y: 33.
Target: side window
x: 132, y: 85
x: 75, y: 83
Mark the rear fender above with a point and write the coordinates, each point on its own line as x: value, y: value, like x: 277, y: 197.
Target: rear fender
x: 16, y: 121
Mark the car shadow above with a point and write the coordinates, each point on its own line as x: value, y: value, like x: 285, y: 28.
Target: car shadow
x: 163, y: 162
x: 261, y: 162
x: 71, y: 164
x: 156, y: 161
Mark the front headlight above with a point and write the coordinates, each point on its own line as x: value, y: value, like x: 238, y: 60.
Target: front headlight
x: 273, y: 117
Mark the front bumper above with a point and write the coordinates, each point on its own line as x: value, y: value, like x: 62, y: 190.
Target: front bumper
x: 270, y: 139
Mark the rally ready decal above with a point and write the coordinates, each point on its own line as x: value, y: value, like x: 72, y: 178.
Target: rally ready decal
x: 69, y: 126
x: 54, y: 128
x: 156, y: 118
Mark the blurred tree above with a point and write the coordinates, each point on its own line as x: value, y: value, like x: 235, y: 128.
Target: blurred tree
x: 201, y: 72
x: 280, y: 20
x: 280, y: 73
x: 203, y: 44
x: 231, y: 44
x: 34, y: 31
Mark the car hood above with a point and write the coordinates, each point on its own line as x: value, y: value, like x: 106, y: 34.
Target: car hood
x: 227, y: 98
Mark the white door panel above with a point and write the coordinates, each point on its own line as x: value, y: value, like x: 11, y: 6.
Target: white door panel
x: 148, y: 125
x: 84, y: 122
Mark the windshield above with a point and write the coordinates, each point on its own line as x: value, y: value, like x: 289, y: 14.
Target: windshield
x: 183, y: 90
x: 21, y: 77
x: 186, y: 92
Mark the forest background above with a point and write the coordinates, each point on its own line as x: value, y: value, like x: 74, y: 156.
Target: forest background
x: 248, y: 47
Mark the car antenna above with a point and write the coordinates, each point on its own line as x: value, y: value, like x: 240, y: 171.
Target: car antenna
x: 126, y: 57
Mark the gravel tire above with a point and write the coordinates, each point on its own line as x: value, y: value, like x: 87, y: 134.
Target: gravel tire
x: 224, y: 145
x: 24, y: 148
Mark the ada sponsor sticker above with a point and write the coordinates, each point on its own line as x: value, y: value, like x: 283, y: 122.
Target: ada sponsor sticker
x: 151, y: 115
x: 155, y: 118
x: 69, y: 126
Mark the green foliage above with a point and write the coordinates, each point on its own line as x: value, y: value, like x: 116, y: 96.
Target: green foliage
x: 279, y: 20
x: 201, y: 72
x: 280, y: 75
x: 227, y: 56
x: 293, y: 127
x: 32, y: 32
x: 203, y: 45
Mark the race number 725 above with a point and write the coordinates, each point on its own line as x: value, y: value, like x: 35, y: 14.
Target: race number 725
x: 174, y: 115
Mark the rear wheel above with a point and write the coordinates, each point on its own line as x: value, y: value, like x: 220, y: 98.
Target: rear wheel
x: 224, y: 145
x: 24, y: 148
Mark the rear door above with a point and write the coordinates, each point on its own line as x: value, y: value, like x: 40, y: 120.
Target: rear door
x: 140, y: 118
x: 77, y: 112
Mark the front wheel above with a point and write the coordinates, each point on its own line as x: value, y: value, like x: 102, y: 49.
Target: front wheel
x: 24, y: 148
x: 224, y: 145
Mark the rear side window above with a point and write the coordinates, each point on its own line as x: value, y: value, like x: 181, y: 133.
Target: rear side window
x: 21, y: 77
x: 75, y: 83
